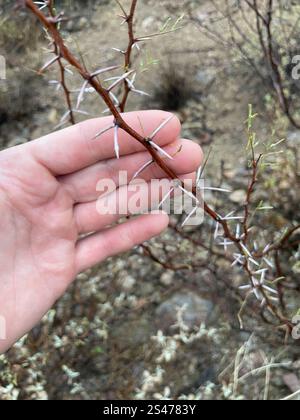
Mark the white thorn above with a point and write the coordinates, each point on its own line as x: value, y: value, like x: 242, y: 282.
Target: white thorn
x: 115, y: 99
x: 269, y: 289
x: 145, y: 166
x: 263, y: 302
x: 158, y: 129
x: 225, y: 244
x: 189, y: 216
x: 160, y: 150
x: 116, y: 142
x: 166, y: 197
x: 246, y: 250
x: 198, y: 177
x: 119, y: 80
x: 189, y: 194
x: 257, y: 294
x: 238, y: 231
x: 217, y: 189
x: 49, y: 63
x: 268, y: 262
x: 104, y: 131
x: 274, y: 299
x: 246, y: 287
x: 78, y: 111
x: 81, y: 94
x: 119, y: 51
x: 216, y: 234
x: 130, y: 84
x: 69, y: 71
x: 140, y: 92
x: 238, y: 260
x: 65, y: 116
x: 233, y: 218
x: 100, y: 71
x: 253, y: 261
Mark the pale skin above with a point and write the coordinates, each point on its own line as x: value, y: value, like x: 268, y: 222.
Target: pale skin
x: 48, y: 200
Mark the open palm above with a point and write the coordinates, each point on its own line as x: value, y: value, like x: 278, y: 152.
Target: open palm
x: 48, y: 200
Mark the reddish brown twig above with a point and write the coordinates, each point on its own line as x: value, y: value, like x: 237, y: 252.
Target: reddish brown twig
x: 129, y: 18
x: 250, y: 191
x: 62, y: 69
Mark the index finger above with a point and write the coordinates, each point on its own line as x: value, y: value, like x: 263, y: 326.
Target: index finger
x: 75, y: 148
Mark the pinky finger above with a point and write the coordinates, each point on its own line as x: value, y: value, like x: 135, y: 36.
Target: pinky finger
x: 96, y: 248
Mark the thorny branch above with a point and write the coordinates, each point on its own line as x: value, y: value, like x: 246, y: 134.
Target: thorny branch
x: 62, y: 68
x: 244, y: 257
x: 129, y: 19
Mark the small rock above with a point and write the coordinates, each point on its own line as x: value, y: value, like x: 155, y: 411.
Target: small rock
x: 205, y: 77
x: 292, y: 382
x: 148, y: 22
x: 285, y: 184
x: 148, y: 288
x: 17, y: 141
x: 127, y: 283
x: 166, y: 278
x: 102, y: 297
x: 230, y: 173
x: 52, y: 116
x: 70, y: 26
x: 197, y: 310
x: 293, y: 138
x: 132, y: 333
x: 238, y: 197
x: 82, y: 277
x: 82, y: 22
x: 75, y: 25
x: 78, y: 310
x: 296, y: 268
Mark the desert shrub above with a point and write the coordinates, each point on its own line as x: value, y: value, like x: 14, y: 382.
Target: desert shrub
x: 173, y: 89
x: 17, y: 31
x: 17, y: 96
x: 264, y: 37
x: 245, y: 257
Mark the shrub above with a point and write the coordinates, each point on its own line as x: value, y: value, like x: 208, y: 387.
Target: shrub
x: 245, y: 255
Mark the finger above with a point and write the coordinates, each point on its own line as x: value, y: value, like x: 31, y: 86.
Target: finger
x: 83, y: 184
x: 98, y: 247
x: 90, y: 217
x: 75, y: 148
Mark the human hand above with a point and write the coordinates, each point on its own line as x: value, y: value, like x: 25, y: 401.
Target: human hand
x: 48, y: 199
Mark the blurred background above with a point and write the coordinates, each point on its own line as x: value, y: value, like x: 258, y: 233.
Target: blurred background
x: 132, y: 327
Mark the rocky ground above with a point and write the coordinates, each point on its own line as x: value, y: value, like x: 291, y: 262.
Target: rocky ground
x: 98, y: 341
